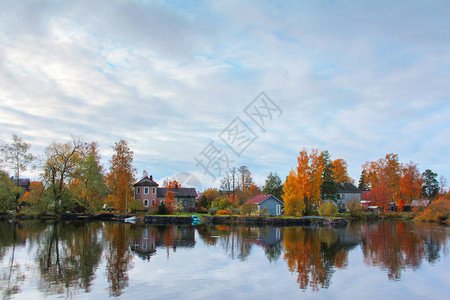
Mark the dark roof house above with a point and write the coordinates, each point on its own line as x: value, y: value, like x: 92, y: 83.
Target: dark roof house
x: 146, y: 181
x: 24, y: 183
x: 347, y: 188
x: 178, y: 192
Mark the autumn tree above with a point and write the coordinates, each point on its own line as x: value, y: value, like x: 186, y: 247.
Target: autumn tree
x: 62, y: 165
x: 430, y: 187
x: 120, y: 178
x: 340, y: 171
x: 15, y: 156
x: 273, y: 185
x: 317, y: 166
x: 208, y: 197
x: 411, y: 182
x: 169, y: 199
x: 384, y: 176
x: 296, y: 187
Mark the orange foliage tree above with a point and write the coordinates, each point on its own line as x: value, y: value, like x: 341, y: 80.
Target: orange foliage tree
x: 120, y: 178
x: 340, y: 171
x: 169, y: 198
x: 411, y: 182
x: 384, y: 176
x: 303, y: 185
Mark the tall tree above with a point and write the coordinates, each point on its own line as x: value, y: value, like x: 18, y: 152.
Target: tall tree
x: 273, y: 185
x: 430, y: 187
x: 92, y: 178
x: 63, y: 163
x: 8, y: 193
x: 245, y: 177
x: 384, y: 175
x: 317, y: 165
x: 293, y: 195
x: 362, y: 186
x: 411, y: 182
x: 120, y: 178
x: 340, y: 171
x: 328, y: 187
x: 15, y: 155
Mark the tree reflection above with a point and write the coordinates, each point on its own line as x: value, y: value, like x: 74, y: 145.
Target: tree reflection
x: 68, y: 255
x: 395, y: 246
x: 118, y: 257
x: 313, y: 254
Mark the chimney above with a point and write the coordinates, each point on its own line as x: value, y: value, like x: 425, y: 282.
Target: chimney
x: 151, y: 177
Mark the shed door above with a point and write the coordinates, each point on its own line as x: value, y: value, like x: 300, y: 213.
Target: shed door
x: 278, y: 210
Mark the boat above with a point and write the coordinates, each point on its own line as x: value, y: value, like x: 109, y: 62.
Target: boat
x: 130, y: 219
x: 196, y: 220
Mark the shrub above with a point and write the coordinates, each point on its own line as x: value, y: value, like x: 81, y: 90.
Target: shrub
x: 355, y: 209
x: 223, y: 212
x: 162, y: 209
x: 247, y: 209
x: 438, y: 211
x: 328, y: 209
x: 153, y: 211
x: 213, y: 210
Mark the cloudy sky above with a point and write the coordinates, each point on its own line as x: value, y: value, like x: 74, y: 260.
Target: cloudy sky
x: 358, y: 78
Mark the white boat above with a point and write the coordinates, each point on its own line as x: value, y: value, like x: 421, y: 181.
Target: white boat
x: 130, y: 219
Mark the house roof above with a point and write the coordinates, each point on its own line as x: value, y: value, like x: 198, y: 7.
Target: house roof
x: 22, y: 181
x: 260, y: 198
x: 146, y: 181
x: 346, y: 187
x: 178, y: 192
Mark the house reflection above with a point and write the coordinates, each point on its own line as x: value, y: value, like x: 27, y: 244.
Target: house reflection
x: 153, y: 237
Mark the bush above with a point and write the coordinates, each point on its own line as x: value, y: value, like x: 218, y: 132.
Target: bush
x: 223, y: 212
x: 438, y: 211
x: 162, y: 209
x: 248, y: 209
x: 213, y: 210
x: 328, y: 209
x: 355, y: 209
x: 153, y: 211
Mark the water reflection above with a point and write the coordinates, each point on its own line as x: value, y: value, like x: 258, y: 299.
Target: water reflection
x: 395, y: 246
x: 68, y: 257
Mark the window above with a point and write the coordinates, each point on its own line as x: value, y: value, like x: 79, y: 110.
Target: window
x: 138, y: 190
x: 153, y: 202
x: 278, y: 210
x: 146, y: 203
x: 146, y: 190
x: 153, y: 191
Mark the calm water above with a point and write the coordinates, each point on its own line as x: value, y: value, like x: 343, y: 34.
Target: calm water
x: 383, y: 260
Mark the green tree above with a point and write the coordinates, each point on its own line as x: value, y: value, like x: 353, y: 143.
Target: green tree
x: 430, y: 187
x: 8, y: 193
x: 92, y: 179
x: 328, y: 187
x: 273, y: 185
x: 362, y: 186
x: 15, y: 156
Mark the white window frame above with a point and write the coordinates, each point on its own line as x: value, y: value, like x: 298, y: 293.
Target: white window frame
x: 153, y: 191
x: 138, y: 190
x: 278, y: 209
x: 146, y: 190
x: 146, y: 202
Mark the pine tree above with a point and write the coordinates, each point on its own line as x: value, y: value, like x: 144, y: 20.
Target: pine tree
x: 362, y: 186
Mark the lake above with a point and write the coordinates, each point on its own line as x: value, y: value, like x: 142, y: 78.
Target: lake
x: 97, y: 260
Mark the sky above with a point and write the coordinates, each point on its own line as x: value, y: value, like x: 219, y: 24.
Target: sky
x: 360, y: 79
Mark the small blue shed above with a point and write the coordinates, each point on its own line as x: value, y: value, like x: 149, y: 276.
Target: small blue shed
x: 272, y: 203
